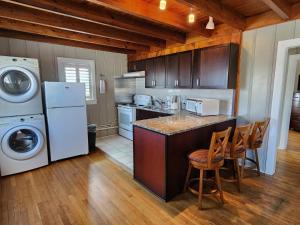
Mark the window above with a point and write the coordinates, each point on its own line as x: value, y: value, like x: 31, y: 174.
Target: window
x: 81, y: 71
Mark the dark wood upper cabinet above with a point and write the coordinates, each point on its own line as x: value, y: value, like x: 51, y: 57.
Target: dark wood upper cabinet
x: 155, y: 73
x: 179, y: 70
x: 136, y: 66
x: 150, y: 73
x: 172, y: 67
x: 160, y: 72
x: 216, y: 67
x: 185, y: 70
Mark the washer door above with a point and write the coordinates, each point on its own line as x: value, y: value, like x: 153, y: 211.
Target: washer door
x: 17, y: 84
x: 22, y: 142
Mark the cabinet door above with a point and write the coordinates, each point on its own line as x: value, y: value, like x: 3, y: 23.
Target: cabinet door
x: 160, y: 72
x: 172, y: 66
x: 214, y: 67
x: 150, y: 73
x: 140, y: 65
x: 196, y: 68
x: 131, y: 66
x: 185, y: 70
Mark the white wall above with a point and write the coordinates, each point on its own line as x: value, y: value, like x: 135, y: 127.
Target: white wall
x: 226, y: 96
x: 107, y: 63
x: 258, y: 59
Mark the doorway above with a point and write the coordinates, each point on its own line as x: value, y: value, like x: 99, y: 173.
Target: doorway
x: 284, y: 81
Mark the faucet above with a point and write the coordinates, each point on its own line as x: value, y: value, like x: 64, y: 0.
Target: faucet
x: 160, y: 101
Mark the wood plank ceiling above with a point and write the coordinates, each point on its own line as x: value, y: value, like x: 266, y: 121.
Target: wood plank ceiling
x: 131, y: 26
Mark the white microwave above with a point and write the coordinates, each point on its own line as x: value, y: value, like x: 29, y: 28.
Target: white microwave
x: 203, y: 107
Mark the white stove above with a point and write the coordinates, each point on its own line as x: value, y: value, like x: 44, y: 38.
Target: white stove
x: 127, y: 114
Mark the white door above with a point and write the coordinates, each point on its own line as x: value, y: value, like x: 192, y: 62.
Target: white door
x: 17, y: 84
x: 22, y: 142
x: 67, y: 132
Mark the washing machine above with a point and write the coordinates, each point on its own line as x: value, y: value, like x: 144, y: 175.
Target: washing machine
x: 20, y: 87
x: 23, y: 144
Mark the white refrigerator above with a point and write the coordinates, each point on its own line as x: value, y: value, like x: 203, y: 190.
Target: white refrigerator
x: 65, y: 109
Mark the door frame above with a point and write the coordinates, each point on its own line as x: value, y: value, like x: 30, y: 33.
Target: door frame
x: 288, y: 96
x: 278, y: 100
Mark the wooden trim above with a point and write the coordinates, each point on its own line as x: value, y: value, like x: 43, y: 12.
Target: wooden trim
x: 238, y: 79
x: 281, y: 7
x: 219, y: 11
x: 22, y: 26
x: 105, y: 15
x: 16, y: 11
x: 52, y: 40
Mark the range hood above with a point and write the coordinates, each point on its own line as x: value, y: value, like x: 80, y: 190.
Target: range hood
x: 134, y: 74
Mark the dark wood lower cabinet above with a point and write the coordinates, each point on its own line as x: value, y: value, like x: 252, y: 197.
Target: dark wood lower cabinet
x: 142, y: 114
x: 161, y: 161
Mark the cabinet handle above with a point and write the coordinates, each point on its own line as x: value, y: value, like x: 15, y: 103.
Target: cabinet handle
x: 154, y: 83
x: 175, y: 83
x: 197, y: 82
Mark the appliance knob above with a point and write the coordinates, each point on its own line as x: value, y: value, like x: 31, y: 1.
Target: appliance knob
x: 22, y: 120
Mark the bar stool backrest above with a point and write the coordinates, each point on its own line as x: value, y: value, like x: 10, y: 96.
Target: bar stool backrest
x: 240, y: 139
x: 217, y: 146
x: 258, y: 133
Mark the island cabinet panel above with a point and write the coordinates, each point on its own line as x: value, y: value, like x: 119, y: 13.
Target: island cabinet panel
x: 216, y: 67
x: 149, y: 160
x: 147, y: 114
x: 174, y: 150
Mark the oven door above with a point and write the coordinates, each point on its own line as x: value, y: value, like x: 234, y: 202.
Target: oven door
x: 126, y: 118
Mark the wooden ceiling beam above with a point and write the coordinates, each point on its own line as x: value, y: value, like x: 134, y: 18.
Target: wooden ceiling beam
x: 59, y: 41
x: 281, y: 7
x: 17, y: 11
x: 147, y: 11
x: 110, y: 17
x: 22, y: 26
x: 218, y: 11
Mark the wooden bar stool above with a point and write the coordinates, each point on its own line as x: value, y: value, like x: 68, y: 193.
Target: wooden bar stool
x: 237, y: 150
x: 255, y: 142
x: 208, y: 159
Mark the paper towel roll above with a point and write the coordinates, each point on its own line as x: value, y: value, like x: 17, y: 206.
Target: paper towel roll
x: 102, y: 87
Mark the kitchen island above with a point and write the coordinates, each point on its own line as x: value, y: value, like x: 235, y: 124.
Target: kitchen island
x: 161, y: 146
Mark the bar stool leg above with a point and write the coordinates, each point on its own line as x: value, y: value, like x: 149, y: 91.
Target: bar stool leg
x: 218, y: 181
x: 200, y: 189
x: 237, y: 171
x: 186, y: 184
x: 257, y: 162
x: 243, y: 166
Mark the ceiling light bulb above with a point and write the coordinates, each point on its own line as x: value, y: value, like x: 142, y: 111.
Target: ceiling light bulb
x: 191, y: 18
x: 163, y: 4
x: 210, y: 25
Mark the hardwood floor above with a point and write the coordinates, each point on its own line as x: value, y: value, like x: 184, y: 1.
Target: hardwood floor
x: 93, y: 190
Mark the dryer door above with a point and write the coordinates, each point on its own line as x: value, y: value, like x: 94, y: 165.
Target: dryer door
x: 17, y: 84
x: 22, y: 142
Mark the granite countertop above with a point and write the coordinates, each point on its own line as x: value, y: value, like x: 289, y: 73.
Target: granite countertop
x: 180, y: 122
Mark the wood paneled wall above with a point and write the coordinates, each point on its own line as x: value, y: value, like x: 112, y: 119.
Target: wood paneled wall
x: 107, y: 63
x: 258, y: 58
